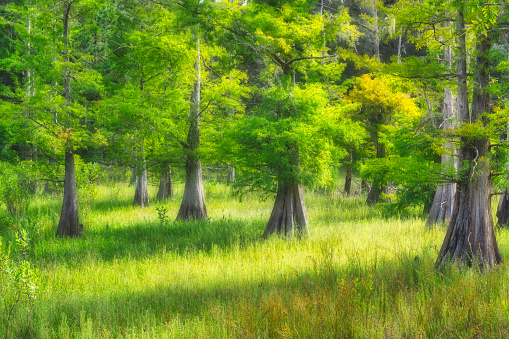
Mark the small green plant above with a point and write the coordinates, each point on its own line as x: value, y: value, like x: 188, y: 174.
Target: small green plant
x: 19, y: 280
x: 210, y: 188
x: 113, y: 189
x: 162, y: 215
x: 14, y: 188
x: 86, y: 179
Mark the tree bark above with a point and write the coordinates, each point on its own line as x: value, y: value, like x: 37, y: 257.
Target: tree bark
x: 289, y: 212
x: 379, y: 186
x: 141, y: 192
x: 230, y: 175
x: 503, y: 210
x: 69, y: 224
x: 348, y: 180
x: 193, y: 201
x: 443, y: 201
x: 165, y: 190
x: 470, y: 236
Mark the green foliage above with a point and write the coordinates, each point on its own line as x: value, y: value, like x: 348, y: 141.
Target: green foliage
x: 19, y: 284
x: 281, y: 140
x: 162, y: 215
x: 87, y: 175
x: 15, y: 182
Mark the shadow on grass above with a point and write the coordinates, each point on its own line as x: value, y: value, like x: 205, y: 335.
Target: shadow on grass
x: 146, y: 239
x: 107, y: 205
x: 323, y: 301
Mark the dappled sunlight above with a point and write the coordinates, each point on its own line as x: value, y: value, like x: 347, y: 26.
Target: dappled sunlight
x: 137, y: 272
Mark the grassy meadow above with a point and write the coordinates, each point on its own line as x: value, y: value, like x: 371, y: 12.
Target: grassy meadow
x: 136, y: 273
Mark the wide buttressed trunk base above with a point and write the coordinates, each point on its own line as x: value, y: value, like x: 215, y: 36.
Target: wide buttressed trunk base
x: 289, y: 212
x: 69, y: 224
x: 141, y: 193
x: 470, y: 237
x: 443, y: 203
x: 193, y: 201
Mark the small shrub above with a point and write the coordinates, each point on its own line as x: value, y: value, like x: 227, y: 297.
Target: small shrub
x: 15, y: 188
x: 19, y: 281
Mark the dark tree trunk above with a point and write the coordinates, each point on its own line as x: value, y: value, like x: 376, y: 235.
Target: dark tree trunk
x: 69, y: 224
x: 379, y: 185
x: 364, y: 186
x: 470, y: 236
x: 193, y: 201
x: 503, y: 210
x: 141, y: 192
x: 348, y: 180
x: 289, y: 212
x: 165, y: 190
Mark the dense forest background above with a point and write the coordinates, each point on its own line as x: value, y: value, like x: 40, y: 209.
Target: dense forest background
x: 396, y: 109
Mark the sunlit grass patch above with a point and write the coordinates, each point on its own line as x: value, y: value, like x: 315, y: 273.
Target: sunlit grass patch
x: 135, y: 274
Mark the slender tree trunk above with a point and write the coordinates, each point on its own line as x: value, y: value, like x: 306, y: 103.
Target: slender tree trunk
x: 230, y: 175
x: 348, y: 180
x: 364, y: 186
x: 400, y: 45
x: 379, y: 185
x: 69, y: 224
x: 193, y: 201
x: 141, y: 192
x: 503, y: 204
x: 443, y: 201
x: 289, y: 212
x: 165, y: 190
x: 503, y: 210
x: 376, y: 31
x: 470, y: 236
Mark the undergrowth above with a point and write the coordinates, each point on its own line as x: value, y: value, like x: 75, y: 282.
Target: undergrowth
x: 136, y: 273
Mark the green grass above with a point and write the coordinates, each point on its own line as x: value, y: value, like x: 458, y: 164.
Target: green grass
x: 359, y: 275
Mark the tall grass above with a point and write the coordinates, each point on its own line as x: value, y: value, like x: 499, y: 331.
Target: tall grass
x: 359, y: 275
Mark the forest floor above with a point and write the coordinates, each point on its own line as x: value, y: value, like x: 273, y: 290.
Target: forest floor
x: 136, y: 273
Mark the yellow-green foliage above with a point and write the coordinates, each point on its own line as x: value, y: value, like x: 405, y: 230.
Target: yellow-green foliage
x: 357, y: 276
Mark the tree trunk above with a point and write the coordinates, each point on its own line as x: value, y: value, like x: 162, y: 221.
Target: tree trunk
x: 443, y: 202
x: 348, y: 180
x: 503, y: 204
x: 69, y: 224
x: 399, y: 48
x: 193, y: 201
x: 470, y: 236
x: 379, y: 185
x: 141, y: 192
x: 230, y: 175
x: 289, y: 210
x: 376, y: 31
x: 364, y: 186
x: 165, y: 190
x: 503, y: 210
